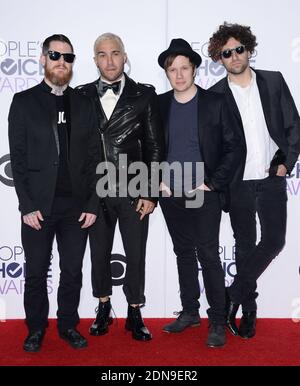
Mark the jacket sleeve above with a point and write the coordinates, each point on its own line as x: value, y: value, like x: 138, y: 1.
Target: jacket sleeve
x: 291, y: 123
x: 153, y: 145
x: 92, y: 205
x: 231, y: 151
x: 17, y: 135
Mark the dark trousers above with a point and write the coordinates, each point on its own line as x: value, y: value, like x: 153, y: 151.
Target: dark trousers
x: 71, y: 242
x: 134, y: 234
x: 195, y: 233
x: 267, y: 198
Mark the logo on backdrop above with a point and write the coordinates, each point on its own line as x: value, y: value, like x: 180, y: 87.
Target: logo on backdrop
x: 209, y: 72
x: 5, y: 171
x: 19, y: 65
x: 293, y: 181
x: 295, y: 50
x: 13, y: 269
x: 118, y: 268
x: 227, y: 257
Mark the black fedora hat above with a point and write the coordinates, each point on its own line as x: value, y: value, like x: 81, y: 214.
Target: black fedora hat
x: 180, y: 47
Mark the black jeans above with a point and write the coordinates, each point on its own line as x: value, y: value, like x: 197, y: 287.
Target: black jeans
x: 267, y: 198
x: 134, y: 234
x: 71, y: 242
x: 195, y: 233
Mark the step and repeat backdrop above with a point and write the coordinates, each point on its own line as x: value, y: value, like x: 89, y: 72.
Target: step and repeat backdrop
x: 146, y: 28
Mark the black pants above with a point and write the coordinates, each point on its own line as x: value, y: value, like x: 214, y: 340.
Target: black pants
x: 134, y: 236
x: 267, y: 198
x: 71, y: 242
x: 195, y: 233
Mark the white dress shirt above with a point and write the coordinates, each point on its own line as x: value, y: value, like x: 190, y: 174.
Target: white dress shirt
x: 260, y: 146
x: 110, y: 99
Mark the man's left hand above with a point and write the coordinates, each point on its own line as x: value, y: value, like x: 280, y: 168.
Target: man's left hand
x: 281, y: 171
x: 144, y: 207
x: 90, y: 218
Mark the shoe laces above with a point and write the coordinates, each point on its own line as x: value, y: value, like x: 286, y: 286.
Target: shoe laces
x: 74, y: 333
x: 178, y: 313
x: 136, y: 314
x: 103, y: 313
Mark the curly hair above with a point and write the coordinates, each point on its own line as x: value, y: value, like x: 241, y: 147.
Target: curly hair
x: 226, y: 31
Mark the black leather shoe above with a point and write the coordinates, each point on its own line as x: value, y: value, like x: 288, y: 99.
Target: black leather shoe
x: 33, y: 341
x: 231, y: 311
x: 74, y: 338
x: 184, y: 320
x: 135, y: 323
x: 103, y: 319
x: 248, y: 324
x: 216, y: 335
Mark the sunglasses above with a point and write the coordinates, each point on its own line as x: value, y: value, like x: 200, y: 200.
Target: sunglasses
x: 227, y: 53
x: 55, y: 55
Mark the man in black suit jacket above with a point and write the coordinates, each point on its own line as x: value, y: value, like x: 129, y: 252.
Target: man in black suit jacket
x: 54, y: 148
x: 198, y: 128
x: 129, y: 124
x: 269, y: 124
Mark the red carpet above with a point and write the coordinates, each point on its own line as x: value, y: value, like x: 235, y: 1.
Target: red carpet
x: 277, y: 344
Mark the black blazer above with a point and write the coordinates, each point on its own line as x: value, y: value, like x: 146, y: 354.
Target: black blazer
x: 218, y: 138
x: 34, y: 148
x: 280, y: 113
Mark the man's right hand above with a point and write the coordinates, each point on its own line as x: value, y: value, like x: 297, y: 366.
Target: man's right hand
x: 33, y: 219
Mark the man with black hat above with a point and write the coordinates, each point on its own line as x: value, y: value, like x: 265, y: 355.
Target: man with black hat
x: 198, y: 128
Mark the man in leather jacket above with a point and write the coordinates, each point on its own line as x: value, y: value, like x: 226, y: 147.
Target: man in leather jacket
x: 129, y: 126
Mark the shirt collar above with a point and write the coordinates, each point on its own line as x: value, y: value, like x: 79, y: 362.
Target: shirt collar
x: 235, y: 85
x: 56, y: 90
x: 122, y: 79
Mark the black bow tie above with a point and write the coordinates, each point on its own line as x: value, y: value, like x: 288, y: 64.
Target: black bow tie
x: 113, y: 86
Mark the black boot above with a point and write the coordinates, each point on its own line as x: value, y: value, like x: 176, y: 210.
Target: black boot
x: 33, y: 341
x: 247, y: 328
x: 216, y: 335
x: 231, y: 311
x: 135, y: 323
x: 103, y: 319
x: 184, y: 320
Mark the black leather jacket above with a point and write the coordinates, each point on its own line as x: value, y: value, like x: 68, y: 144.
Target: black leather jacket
x: 134, y: 127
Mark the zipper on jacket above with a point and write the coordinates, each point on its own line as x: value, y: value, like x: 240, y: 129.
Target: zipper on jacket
x: 106, y: 161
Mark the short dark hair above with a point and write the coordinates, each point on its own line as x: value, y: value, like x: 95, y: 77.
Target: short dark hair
x: 170, y: 59
x: 56, y: 38
x: 226, y: 31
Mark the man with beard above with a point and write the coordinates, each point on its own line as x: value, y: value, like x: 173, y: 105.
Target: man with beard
x: 269, y: 123
x: 54, y: 148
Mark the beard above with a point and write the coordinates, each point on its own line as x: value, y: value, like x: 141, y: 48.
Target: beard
x: 58, y: 79
x: 237, y: 70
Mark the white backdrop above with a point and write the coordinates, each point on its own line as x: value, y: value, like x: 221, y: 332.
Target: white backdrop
x: 146, y: 28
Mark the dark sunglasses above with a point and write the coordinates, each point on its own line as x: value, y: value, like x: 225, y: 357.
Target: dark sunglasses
x: 55, y: 55
x: 227, y: 53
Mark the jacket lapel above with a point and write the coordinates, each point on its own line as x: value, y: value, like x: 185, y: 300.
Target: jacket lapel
x: 165, y: 101
x: 231, y: 102
x: 264, y: 98
x: 49, y: 105
x: 125, y: 102
x: 202, y: 114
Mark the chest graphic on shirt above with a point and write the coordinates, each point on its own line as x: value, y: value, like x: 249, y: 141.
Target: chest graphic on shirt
x: 61, y: 118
